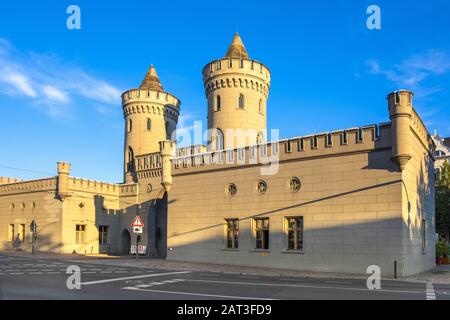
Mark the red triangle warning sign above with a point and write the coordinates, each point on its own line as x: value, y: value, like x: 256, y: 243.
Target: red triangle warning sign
x: 137, y: 222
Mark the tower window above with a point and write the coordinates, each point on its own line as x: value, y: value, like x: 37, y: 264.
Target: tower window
x: 218, y: 103
x: 241, y: 102
x: 130, y: 125
x: 149, y: 124
x: 261, y: 106
x: 130, y: 165
x: 168, y: 133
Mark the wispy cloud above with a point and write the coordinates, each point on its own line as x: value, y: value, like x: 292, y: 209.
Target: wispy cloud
x: 50, y: 83
x: 412, y: 72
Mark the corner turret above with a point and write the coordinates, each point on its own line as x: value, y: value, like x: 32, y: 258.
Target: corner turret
x: 400, y: 113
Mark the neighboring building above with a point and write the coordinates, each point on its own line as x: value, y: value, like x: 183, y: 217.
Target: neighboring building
x: 336, y: 201
x: 441, y: 154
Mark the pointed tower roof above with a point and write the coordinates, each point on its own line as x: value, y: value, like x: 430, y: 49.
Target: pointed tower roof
x: 237, y: 48
x: 151, y: 80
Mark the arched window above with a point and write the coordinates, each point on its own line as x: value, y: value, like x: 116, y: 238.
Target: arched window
x: 217, y: 139
x: 261, y: 106
x: 168, y: 133
x: 149, y: 124
x: 260, y: 138
x: 241, y: 102
x: 130, y: 125
x: 218, y: 103
x: 130, y: 165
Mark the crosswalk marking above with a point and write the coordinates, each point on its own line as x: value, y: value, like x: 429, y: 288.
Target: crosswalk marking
x: 431, y: 294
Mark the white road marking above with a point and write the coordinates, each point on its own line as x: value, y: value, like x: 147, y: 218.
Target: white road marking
x: 36, y: 273
x: 120, y: 271
x: 14, y: 273
x: 134, y: 277
x: 144, y: 285
x: 54, y: 272
x: 339, y: 282
x: 304, y: 286
x: 431, y: 295
x: 196, y: 294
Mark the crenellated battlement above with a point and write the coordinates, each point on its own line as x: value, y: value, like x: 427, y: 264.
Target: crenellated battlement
x: 150, y: 96
x: 237, y: 73
x: 17, y: 187
x: 421, y: 131
x: 358, y: 139
x: 8, y: 180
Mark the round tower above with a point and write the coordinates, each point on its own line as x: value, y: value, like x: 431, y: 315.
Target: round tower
x: 237, y: 90
x: 151, y: 116
x: 400, y: 112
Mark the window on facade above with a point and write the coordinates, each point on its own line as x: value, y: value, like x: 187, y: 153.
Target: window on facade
x: 217, y: 142
x: 130, y: 166
x: 232, y: 233
x: 294, y: 233
x: 11, y: 233
x: 262, y: 233
x: 80, y: 233
x: 130, y: 125
x: 149, y: 124
x: 21, y: 233
x: 103, y: 234
x: 241, y: 102
x: 261, y: 106
x: 260, y: 138
x: 424, y: 235
x: 437, y: 174
x: 218, y: 103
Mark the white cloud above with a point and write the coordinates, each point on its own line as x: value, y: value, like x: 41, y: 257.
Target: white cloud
x: 50, y: 83
x: 413, y: 71
x: 54, y: 94
x: 18, y: 81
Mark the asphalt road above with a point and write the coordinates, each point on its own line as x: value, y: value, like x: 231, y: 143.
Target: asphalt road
x: 35, y: 278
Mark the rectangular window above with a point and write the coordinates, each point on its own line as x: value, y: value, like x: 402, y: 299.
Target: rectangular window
x: 11, y: 233
x: 21, y: 232
x: 262, y: 233
x: 103, y: 234
x: 300, y: 146
x: 344, y: 138
x: 424, y: 235
x: 294, y: 233
x: 232, y: 233
x: 80, y: 233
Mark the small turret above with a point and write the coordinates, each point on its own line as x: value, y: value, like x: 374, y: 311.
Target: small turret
x: 400, y: 112
x: 167, y: 150
x: 63, y: 180
x: 151, y: 115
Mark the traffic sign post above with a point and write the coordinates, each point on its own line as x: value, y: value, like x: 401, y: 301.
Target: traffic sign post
x: 138, y: 229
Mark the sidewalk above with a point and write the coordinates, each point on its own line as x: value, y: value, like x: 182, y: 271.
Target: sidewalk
x: 439, y: 275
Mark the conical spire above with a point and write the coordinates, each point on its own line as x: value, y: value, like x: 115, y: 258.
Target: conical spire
x: 151, y: 80
x: 237, y: 48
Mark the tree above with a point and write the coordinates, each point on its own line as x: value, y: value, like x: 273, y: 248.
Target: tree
x: 443, y: 201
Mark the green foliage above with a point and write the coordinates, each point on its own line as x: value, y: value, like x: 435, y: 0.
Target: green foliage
x: 442, y: 248
x: 443, y: 201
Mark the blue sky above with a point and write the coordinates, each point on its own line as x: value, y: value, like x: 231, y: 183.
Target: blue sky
x: 60, y: 89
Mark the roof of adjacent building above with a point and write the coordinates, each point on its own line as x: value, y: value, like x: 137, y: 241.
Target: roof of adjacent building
x: 151, y: 80
x: 446, y: 142
x: 237, y: 48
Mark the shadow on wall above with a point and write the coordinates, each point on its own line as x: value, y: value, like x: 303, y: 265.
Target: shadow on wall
x: 120, y: 234
x: 44, y: 243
